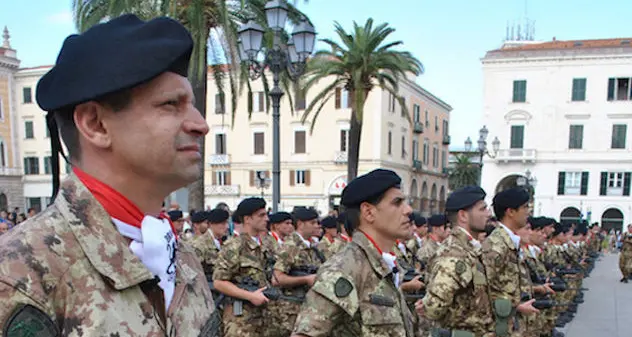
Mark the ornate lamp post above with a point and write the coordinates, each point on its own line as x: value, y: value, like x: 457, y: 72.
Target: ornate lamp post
x: 482, y: 148
x: 289, y: 57
x: 528, y: 182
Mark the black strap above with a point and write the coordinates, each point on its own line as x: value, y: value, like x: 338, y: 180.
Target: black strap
x: 56, y: 150
x: 319, y: 254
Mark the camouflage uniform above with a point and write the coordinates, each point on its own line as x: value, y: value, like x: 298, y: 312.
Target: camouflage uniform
x: 335, y: 247
x: 502, y: 265
x: 79, y: 277
x: 293, y: 254
x: 528, y: 325
x: 207, y: 251
x: 414, y: 245
x: 426, y: 254
x: 457, y: 297
x: 546, y: 319
x: 625, y: 257
x: 239, y: 258
x: 355, y: 295
x: 325, y: 246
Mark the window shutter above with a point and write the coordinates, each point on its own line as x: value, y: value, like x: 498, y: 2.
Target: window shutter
x: 250, y: 103
x: 611, y: 89
x: 603, y: 187
x: 626, y: 183
x: 214, y: 182
x: 307, y: 177
x: 26, y: 166
x: 561, y: 181
x: 218, y: 146
x: 252, y: 178
x: 337, y: 98
x: 260, y: 101
x: 292, y: 177
x: 584, y: 186
x: 228, y: 182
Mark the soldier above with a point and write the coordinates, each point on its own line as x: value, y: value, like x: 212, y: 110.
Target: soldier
x: 438, y: 232
x: 330, y: 226
x: 177, y: 218
x: 208, y: 241
x: 625, y: 257
x: 420, y: 230
x: 296, y: 266
x: 99, y: 260
x: 356, y: 291
x: 502, y: 261
x: 243, y: 258
x: 281, y: 226
x: 457, y: 298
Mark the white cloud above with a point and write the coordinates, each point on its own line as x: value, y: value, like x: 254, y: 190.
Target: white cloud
x: 64, y: 17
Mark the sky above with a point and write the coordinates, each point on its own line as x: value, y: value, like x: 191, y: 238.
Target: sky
x: 448, y: 36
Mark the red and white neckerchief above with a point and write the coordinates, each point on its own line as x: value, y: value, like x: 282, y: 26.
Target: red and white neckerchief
x: 346, y: 238
x: 401, y: 246
x: 154, y: 240
x: 420, y: 241
x: 329, y: 238
x: 473, y: 241
x: 389, y: 258
x: 218, y: 242
x: 277, y: 237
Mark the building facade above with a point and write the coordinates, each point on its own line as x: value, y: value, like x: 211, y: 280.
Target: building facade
x: 11, y: 194
x: 561, y: 110
x: 313, y: 164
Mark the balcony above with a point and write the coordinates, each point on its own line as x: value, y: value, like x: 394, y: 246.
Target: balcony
x: 445, y: 171
x: 219, y: 159
x: 446, y: 140
x: 516, y: 155
x: 10, y: 171
x: 418, y: 127
x: 416, y: 165
x: 221, y: 190
x: 341, y: 157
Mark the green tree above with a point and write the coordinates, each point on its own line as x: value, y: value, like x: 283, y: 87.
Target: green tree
x: 464, y: 173
x: 363, y: 61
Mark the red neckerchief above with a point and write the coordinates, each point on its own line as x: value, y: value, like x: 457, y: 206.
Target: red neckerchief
x: 330, y: 238
x: 433, y: 239
x: 346, y: 238
x: 275, y: 236
x: 117, y: 205
x: 375, y: 244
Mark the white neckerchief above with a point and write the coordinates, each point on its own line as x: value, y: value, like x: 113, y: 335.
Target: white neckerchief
x: 307, y: 243
x: 217, y: 243
x: 256, y: 240
x: 277, y: 237
x: 315, y: 240
x: 401, y: 247
x: 155, y: 245
x: 514, y: 238
x: 389, y: 259
x: 533, y: 251
x: 419, y: 240
x: 565, y: 246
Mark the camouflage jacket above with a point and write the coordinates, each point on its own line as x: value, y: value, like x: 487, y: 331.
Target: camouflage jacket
x: 354, y: 295
x: 325, y: 246
x: 626, y: 247
x: 71, y: 272
x: 413, y: 245
x: 271, y: 244
x: 206, y: 250
x: 405, y: 258
x: 527, y: 324
x: 457, y: 296
x: 293, y: 254
x: 502, y: 265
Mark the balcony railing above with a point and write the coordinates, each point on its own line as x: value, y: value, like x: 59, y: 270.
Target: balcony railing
x: 11, y: 171
x: 341, y: 157
x: 221, y: 190
x: 416, y: 164
x: 515, y: 155
x: 418, y: 127
x: 446, y: 140
x: 219, y: 159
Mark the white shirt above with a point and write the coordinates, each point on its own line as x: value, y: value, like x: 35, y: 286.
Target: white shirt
x: 389, y: 259
x: 514, y: 238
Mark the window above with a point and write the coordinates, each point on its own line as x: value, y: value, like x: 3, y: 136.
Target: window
x: 258, y: 101
x: 444, y: 158
x: 220, y: 104
x: 299, y: 177
x: 48, y: 165
x: 3, y: 159
x: 342, y: 99
x: 579, y: 90
x: 344, y: 140
x: 259, y: 143
x: 615, y: 180
x: 519, y: 91
x: 446, y: 129
x: 619, y: 89
x: 615, y: 183
x: 35, y: 203
x: 415, y: 149
x: 391, y: 102
x: 221, y: 178
x: 572, y: 183
x: 435, y: 156
x: 220, y: 143
x: 27, y: 96
x: 436, y: 124
x: 427, y: 121
x: 28, y: 130
x: 416, y: 113
x: 390, y: 142
x: 31, y: 165
x: 403, y: 107
x: 426, y: 151
x: 299, y: 142
x: 300, y: 100
x: 517, y: 136
x: 618, y: 136
x: 575, y: 136
x: 403, y: 147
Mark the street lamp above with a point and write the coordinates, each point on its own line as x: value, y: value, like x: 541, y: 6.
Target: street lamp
x: 528, y: 182
x: 287, y: 57
x: 482, y: 148
x: 263, y: 182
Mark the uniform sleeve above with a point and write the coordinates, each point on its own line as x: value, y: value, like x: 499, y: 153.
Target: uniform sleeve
x: 227, y: 264
x: 449, y: 275
x: 11, y: 300
x: 317, y: 316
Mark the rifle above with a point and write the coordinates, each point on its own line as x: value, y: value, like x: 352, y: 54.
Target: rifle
x: 271, y: 293
x: 305, y: 270
x: 411, y: 274
x: 567, y: 271
x: 542, y: 303
x: 415, y: 296
x: 218, y: 297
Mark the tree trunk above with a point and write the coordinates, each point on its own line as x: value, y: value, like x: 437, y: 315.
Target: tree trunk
x: 353, y: 157
x: 196, y: 189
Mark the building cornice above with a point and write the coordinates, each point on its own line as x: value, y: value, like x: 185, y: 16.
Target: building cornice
x: 427, y: 94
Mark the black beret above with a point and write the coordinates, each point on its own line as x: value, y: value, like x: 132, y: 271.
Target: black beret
x: 248, y: 206
x: 548, y: 222
x: 217, y: 215
x: 511, y: 198
x: 418, y: 219
x: 279, y: 217
x: 198, y: 217
x: 464, y: 198
x: 305, y: 214
x: 119, y: 54
x: 536, y: 222
x: 437, y: 220
x: 368, y: 187
x: 175, y: 215
x: 561, y: 228
x: 235, y: 218
x: 329, y: 222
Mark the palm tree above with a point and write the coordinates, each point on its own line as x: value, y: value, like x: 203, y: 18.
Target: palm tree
x: 362, y: 62
x: 464, y: 173
x: 201, y: 18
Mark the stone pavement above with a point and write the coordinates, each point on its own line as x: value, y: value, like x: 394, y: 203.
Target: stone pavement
x: 607, y: 307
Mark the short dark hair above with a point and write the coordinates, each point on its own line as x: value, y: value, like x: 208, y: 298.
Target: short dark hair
x: 352, y: 220
x: 65, y: 119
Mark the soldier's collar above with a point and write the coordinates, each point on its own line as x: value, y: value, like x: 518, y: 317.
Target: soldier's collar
x: 106, y: 249
x: 374, y: 257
